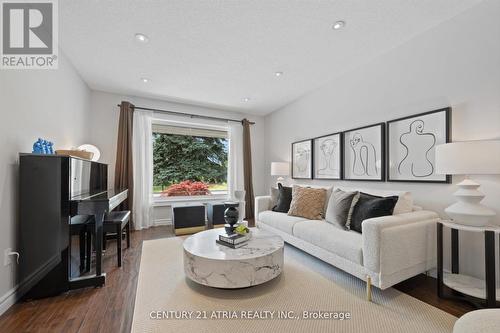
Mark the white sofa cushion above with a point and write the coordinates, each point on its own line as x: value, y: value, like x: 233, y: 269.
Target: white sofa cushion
x: 347, y: 244
x: 280, y: 221
x: 405, y: 200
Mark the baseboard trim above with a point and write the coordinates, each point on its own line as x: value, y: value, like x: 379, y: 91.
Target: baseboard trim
x: 14, y: 294
x: 8, y: 299
x: 159, y: 222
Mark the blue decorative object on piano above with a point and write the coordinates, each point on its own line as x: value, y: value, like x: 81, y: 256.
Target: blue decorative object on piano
x: 43, y: 147
x: 50, y: 147
x: 37, y: 147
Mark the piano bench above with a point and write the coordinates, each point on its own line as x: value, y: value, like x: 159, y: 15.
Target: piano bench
x: 78, y: 226
x: 117, y: 221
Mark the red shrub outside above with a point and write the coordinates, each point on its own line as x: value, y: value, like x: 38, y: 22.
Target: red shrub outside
x: 186, y: 188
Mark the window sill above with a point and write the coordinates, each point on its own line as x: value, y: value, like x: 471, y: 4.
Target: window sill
x: 168, y: 201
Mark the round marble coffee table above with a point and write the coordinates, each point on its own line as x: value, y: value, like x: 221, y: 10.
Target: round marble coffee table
x: 214, y: 265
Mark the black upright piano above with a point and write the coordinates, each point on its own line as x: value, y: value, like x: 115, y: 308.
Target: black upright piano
x: 53, y: 190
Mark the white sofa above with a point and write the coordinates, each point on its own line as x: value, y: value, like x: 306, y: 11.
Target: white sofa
x: 390, y: 249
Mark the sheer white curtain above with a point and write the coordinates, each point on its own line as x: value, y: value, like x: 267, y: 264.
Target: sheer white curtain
x: 142, y: 156
x: 235, y: 180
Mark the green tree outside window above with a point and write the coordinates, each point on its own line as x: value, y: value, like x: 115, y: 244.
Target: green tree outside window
x: 177, y: 158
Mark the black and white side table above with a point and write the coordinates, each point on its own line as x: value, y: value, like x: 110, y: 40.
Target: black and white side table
x: 482, y: 293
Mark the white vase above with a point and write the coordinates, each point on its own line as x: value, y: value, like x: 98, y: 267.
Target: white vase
x: 239, y: 195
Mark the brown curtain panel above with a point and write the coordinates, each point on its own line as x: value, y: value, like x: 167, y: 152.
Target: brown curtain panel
x: 247, y: 170
x: 123, y: 167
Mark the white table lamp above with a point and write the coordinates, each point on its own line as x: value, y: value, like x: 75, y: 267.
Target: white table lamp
x: 469, y: 158
x: 96, y: 154
x: 280, y: 169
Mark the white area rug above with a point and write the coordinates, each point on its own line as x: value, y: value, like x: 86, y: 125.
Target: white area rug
x: 307, y: 284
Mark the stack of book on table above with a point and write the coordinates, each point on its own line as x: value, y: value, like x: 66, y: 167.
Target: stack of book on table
x: 233, y: 241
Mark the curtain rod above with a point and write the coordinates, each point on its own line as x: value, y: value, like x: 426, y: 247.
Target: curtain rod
x: 190, y: 115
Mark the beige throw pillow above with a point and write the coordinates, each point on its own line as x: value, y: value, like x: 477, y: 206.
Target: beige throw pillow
x: 307, y: 202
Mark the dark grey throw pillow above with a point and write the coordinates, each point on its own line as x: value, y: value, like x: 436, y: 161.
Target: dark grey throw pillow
x: 370, y: 206
x: 284, y: 199
x: 338, y: 207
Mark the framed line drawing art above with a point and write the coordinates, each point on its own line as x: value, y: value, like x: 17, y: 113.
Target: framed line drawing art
x: 327, y: 153
x: 302, y: 159
x: 411, y: 143
x: 364, y: 153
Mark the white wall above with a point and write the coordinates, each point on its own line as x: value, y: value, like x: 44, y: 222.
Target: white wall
x: 455, y: 64
x: 51, y: 104
x: 59, y: 106
x: 104, y: 131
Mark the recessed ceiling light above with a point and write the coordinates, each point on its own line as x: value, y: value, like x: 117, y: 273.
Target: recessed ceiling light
x: 338, y: 25
x: 278, y: 74
x: 145, y: 79
x: 142, y: 38
x: 246, y: 99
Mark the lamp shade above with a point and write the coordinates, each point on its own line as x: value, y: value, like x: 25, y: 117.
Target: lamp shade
x: 280, y: 169
x: 468, y: 158
x: 93, y: 149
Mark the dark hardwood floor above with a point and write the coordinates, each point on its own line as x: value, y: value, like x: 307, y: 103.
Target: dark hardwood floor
x: 424, y: 288
x: 106, y: 309
x: 110, y: 308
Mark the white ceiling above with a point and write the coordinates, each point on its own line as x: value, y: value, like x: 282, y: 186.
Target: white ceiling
x: 216, y: 53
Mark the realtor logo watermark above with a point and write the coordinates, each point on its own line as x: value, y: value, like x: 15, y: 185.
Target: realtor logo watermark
x: 29, y: 35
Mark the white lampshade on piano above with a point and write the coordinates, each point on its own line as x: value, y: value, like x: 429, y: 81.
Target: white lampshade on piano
x: 280, y: 169
x: 96, y: 154
x: 469, y: 158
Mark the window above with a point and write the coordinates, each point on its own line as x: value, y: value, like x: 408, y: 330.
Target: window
x: 189, y: 161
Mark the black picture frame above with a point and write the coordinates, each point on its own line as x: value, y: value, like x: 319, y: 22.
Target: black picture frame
x: 447, y: 121
x: 341, y: 157
x: 311, y: 158
x: 382, y: 147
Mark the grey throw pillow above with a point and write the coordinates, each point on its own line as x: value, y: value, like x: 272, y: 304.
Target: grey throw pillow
x: 339, y: 206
